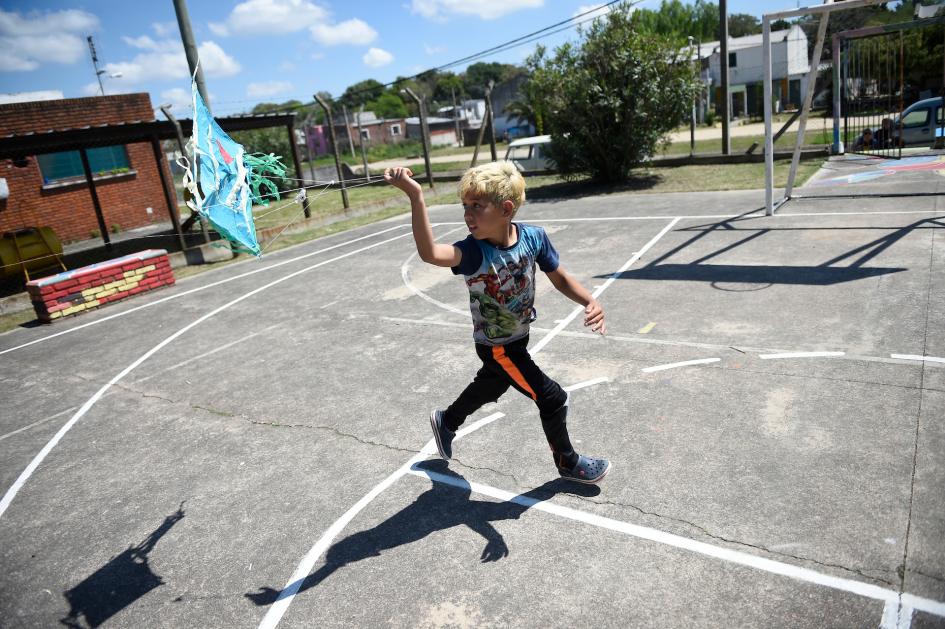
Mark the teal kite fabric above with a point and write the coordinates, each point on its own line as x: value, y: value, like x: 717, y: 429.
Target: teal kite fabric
x: 224, y: 196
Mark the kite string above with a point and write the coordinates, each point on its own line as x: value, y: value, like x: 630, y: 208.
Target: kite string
x: 325, y: 190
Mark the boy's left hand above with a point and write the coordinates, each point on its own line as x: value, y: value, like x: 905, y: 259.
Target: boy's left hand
x: 594, y: 317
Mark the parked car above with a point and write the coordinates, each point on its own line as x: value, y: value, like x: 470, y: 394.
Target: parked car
x: 919, y: 125
x: 529, y: 154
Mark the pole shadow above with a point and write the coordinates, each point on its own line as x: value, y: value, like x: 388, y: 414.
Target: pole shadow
x: 445, y: 505
x: 119, y: 583
x: 825, y: 274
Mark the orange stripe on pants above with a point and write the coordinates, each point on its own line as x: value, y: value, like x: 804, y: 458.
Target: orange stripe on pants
x: 498, y: 352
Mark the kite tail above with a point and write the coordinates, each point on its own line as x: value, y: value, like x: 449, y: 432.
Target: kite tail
x: 263, y: 169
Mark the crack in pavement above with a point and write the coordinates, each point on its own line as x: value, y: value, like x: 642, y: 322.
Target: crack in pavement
x: 487, y: 469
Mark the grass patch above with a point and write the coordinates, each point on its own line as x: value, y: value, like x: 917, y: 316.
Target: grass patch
x: 740, y: 144
x: 16, y: 319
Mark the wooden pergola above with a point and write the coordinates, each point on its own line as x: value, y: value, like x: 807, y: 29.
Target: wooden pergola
x: 19, y: 146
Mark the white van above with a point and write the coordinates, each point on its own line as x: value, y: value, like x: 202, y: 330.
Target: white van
x: 919, y: 125
x: 529, y: 154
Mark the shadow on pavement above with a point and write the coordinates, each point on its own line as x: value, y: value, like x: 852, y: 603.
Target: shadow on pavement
x: 123, y: 580
x: 443, y: 506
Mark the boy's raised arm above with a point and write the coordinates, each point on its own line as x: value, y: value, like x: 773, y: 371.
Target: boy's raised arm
x: 429, y: 250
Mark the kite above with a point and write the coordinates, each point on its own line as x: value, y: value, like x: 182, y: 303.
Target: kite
x: 228, y: 181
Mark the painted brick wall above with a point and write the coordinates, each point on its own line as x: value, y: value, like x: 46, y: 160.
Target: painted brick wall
x: 69, y: 210
x: 79, y: 290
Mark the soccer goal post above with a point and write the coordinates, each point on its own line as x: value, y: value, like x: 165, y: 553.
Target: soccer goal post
x: 823, y: 12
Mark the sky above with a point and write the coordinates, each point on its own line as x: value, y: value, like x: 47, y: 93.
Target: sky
x: 266, y: 50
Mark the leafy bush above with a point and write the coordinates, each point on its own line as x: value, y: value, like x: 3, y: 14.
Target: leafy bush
x: 611, y: 100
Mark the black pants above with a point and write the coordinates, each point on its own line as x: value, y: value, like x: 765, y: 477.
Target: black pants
x: 511, y: 365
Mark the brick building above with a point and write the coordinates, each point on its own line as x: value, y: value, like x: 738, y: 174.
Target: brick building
x: 50, y: 189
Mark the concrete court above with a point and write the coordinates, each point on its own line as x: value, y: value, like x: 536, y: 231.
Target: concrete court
x: 281, y: 436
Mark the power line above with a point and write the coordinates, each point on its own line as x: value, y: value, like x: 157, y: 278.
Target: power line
x: 512, y: 43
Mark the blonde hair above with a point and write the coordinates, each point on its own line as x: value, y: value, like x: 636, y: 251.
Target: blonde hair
x: 496, y: 181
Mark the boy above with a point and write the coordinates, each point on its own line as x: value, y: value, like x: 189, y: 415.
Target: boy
x: 498, y: 261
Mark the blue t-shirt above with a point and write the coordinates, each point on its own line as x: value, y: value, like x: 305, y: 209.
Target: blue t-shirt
x: 501, y: 283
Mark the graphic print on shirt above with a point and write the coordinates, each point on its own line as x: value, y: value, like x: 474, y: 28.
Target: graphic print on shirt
x: 501, y: 283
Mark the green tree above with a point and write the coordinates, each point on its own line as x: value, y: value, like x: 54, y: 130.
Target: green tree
x: 477, y: 76
x: 742, y: 24
x: 613, y: 97
x: 388, y: 105
x: 361, y: 92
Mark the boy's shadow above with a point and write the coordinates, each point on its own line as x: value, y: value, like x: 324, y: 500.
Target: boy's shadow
x: 445, y: 505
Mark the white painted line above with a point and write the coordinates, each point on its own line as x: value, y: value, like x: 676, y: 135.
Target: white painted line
x: 896, y: 616
x: 686, y: 217
x: 725, y: 554
x: 610, y: 280
x: 18, y: 483
x: 37, y: 423
x: 199, y: 356
x: 801, y: 355
x: 304, y: 569
x: 586, y: 383
x: 640, y: 339
x: 928, y: 359
x: 405, y: 274
x: 685, y: 363
x: 196, y: 290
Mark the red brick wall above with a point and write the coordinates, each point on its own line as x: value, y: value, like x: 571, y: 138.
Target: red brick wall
x: 69, y: 211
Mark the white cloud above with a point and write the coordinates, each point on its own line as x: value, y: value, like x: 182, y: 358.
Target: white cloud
x: 28, y: 97
x: 317, y: 56
x: 485, y: 9
x: 434, y: 50
x: 267, y: 89
x: 35, y: 38
x: 257, y: 17
x: 376, y: 57
x: 178, y: 98
x: 165, y: 59
x: 354, y: 31
x: 165, y: 29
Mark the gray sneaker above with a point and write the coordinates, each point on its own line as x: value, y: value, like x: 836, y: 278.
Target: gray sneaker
x: 588, y: 470
x: 443, y: 436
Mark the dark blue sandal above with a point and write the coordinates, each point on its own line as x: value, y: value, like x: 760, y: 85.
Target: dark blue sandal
x: 442, y: 435
x: 588, y: 470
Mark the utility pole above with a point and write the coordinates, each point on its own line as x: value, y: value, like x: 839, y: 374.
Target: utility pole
x: 723, y: 65
x: 98, y: 73
x: 190, y: 48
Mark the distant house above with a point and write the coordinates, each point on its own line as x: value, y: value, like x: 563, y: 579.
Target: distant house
x: 373, y: 130
x: 507, y: 124
x: 51, y: 190
x: 789, y: 68
x: 442, y: 130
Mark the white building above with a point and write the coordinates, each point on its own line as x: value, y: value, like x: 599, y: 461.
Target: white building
x: 789, y: 67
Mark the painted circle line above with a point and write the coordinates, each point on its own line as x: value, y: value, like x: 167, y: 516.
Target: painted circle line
x: 685, y: 363
x: 928, y: 359
x: 801, y: 355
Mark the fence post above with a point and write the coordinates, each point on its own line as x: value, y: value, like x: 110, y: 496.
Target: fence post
x: 424, y: 131
x: 334, y: 148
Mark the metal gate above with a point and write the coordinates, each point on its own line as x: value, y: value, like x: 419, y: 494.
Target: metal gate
x: 872, y: 93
